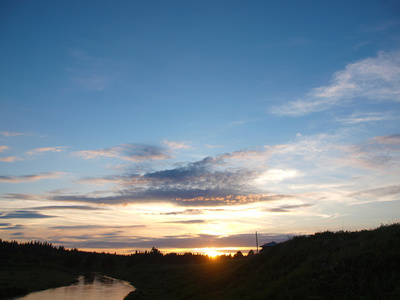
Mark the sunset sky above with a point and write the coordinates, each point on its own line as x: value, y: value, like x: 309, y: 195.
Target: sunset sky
x: 190, y: 125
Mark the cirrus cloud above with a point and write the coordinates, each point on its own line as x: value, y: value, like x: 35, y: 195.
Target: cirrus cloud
x: 375, y: 79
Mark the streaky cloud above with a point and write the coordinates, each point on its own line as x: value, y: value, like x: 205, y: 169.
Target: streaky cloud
x: 46, y: 149
x: 29, y: 178
x: 10, y: 133
x: 389, y: 190
x: 288, y: 208
x: 9, y: 159
x: 375, y: 79
x: 24, y: 214
x: 187, y: 222
x: 358, y: 117
x: 95, y: 227
x: 176, y: 145
x: 129, y: 152
x: 8, y: 226
x: 66, y: 207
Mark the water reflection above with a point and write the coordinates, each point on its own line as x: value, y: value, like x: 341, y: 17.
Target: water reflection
x: 89, y: 287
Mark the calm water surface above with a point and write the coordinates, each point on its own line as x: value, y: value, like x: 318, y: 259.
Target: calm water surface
x: 92, y: 287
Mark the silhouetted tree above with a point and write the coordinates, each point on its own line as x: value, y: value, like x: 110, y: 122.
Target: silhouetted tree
x: 238, y: 254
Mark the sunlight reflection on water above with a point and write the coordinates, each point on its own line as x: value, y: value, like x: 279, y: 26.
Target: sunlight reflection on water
x: 92, y: 287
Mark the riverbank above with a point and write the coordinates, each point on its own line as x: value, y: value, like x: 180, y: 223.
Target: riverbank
x: 18, y: 280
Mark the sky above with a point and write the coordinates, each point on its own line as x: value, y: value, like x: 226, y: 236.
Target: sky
x: 191, y: 125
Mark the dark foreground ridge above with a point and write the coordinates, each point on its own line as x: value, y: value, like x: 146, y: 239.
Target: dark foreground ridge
x: 327, y: 265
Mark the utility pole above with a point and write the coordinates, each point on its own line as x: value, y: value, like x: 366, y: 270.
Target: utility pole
x: 257, y: 241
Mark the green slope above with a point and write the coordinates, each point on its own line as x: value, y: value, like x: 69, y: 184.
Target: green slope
x: 342, y: 265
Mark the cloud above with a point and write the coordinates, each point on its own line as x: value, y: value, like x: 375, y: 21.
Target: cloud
x: 194, y: 184
x: 17, y: 234
x: 184, y: 212
x: 382, y: 152
x: 24, y: 214
x: 387, y: 25
x: 375, y: 79
x: 73, y: 207
x: 17, y: 196
x: 47, y: 149
x: 176, y: 145
x: 129, y: 152
x: 226, y: 179
x: 359, y: 117
x: 2, y: 148
x: 214, y: 146
x: 393, y: 139
x: 376, y: 193
x: 9, y: 159
x: 29, y: 178
x: 96, y: 227
x: 8, y: 226
x: 187, y: 222
x: 288, y: 208
x: 89, y: 72
x: 10, y: 133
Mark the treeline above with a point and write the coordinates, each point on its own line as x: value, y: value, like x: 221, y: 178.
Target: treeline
x: 35, y: 252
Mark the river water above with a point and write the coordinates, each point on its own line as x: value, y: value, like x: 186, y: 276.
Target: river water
x: 90, y: 287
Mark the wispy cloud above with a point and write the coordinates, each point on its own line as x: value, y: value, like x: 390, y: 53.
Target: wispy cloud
x: 89, y: 72
x: 29, y: 178
x: 10, y: 133
x: 9, y: 159
x: 288, y: 208
x: 176, y: 145
x: 96, y: 227
x: 46, y: 149
x: 379, y: 192
x: 187, y: 222
x: 379, y: 153
x: 129, y: 152
x: 68, y: 207
x: 373, y: 79
x: 384, y: 26
x: 363, y: 117
x: 8, y: 226
x: 24, y: 214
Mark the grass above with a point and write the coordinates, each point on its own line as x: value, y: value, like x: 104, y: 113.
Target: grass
x: 23, y: 279
x: 342, y: 265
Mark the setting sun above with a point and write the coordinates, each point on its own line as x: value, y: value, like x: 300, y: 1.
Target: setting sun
x: 212, y: 253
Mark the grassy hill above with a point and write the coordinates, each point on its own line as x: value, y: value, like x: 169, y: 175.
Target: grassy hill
x: 341, y: 265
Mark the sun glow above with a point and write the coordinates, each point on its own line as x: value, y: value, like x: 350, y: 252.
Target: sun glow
x: 212, y: 253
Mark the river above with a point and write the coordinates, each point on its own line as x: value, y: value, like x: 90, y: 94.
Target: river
x: 89, y: 287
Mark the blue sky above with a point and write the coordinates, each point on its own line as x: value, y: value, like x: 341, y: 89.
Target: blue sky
x: 189, y: 125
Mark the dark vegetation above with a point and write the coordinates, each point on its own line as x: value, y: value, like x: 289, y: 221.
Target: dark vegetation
x: 341, y: 265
